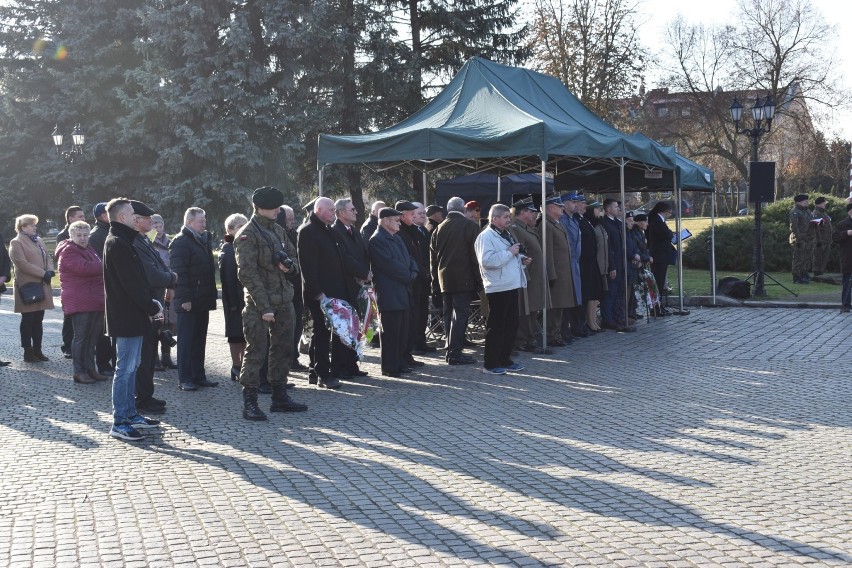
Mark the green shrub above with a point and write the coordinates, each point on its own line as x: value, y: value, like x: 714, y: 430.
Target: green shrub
x: 735, y: 240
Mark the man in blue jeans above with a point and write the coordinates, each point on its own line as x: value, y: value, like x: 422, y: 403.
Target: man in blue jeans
x: 129, y: 312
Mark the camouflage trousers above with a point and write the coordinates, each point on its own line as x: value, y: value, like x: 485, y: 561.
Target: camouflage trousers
x: 277, y: 335
x: 821, y: 251
x: 802, y: 256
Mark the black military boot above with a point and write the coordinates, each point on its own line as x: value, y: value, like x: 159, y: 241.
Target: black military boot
x: 251, y: 411
x: 281, y: 401
x: 166, y: 356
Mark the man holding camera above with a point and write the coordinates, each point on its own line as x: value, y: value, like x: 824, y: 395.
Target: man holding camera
x: 501, y: 265
x: 264, y: 260
x: 158, y: 277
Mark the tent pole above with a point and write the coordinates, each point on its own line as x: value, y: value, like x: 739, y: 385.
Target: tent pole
x: 321, y: 170
x: 679, y: 220
x: 625, y: 297
x: 498, y: 185
x: 545, y: 284
x: 713, y: 245
x: 424, y: 188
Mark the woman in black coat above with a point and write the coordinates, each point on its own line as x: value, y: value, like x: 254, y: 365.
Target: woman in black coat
x: 660, y: 245
x: 233, y: 300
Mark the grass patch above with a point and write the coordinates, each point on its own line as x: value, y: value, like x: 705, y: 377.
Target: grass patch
x: 697, y: 283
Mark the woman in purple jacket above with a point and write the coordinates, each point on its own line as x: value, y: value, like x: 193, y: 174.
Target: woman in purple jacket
x: 82, y: 280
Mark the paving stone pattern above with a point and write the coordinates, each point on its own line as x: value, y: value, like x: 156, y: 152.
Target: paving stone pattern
x: 721, y: 438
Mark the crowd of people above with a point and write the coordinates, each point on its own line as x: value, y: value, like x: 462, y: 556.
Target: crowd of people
x: 127, y: 289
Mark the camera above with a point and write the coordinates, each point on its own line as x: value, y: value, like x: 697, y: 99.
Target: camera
x: 522, y: 249
x: 282, y: 258
x: 166, y: 337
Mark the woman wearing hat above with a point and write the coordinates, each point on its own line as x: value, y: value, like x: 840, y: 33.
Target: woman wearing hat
x: 33, y: 295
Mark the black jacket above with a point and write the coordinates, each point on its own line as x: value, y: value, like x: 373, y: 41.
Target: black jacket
x: 614, y: 228
x: 128, y: 297
x: 414, y: 243
x: 5, y: 261
x: 191, y: 258
x: 393, y: 271
x: 98, y: 237
x: 158, y: 274
x: 321, y: 259
x: 369, y: 227
x: 64, y: 235
x: 354, y: 254
x: 844, y: 242
x: 232, y: 288
x: 660, y: 245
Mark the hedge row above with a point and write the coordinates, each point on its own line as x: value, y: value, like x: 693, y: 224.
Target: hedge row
x: 735, y: 240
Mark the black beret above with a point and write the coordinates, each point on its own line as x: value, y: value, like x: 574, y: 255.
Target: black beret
x: 389, y: 212
x: 640, y: 217
x: 800, y: 197
x: 140, y: 208
x: 820, y: 200
x: 629, y: 214
x: 267, y: 197
x: 405, y: 206
x: 432, y: 209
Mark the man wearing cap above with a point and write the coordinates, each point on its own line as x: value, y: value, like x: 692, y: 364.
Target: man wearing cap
x: 104, y: 350
x: 842, y: 236
x: 533, y: 298
x: 410, y: 235
x: 191, y: 258
x: 129, y: 312
x: 802, y: 235
x: 158, y: 277
x: 559, y: 271
x: 265, y: 258
x: 822, y: 235
x: 420, y: 309
x: 369, y: 226
x: 572, y: 325
x: 323, y: 275
x: 393, y: 273
x: 455, y: 275
x: 435, y: 215
x: 472, y: 212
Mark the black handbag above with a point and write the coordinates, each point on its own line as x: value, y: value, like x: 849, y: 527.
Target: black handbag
x: 31, y: 293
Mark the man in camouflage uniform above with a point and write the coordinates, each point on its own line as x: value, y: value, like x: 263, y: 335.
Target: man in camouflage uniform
x: 801, y: 239
x: 264, y: 259
x: 822, y: 234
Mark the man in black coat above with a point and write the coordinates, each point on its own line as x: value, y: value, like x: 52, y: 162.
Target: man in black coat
x: 323, y: 275
x: 191, y: 258
x: 358, y: 270
x: 104, y: 350
x: 129, y: 312
x: 410, y: 234
x: 159, y: 277
x: 612, y: 306
x: 369, y: 226
x: 393, y: 272
x: 287, y: 220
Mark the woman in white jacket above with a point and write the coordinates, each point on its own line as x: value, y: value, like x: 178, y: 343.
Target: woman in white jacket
x: 501, y: 264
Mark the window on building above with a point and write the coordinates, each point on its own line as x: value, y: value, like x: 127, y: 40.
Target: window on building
x: 662, y: 111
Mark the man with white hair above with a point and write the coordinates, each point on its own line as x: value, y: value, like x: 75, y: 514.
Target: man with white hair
x: 191, y: 258
x: 369, y: 226
x: 455, y: 275
x: 323, y: 275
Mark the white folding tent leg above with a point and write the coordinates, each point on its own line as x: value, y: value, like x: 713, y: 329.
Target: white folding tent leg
x: 713, y: 245
x: 679, y: 221
x: 544, y: 282
x: 424, y: 188
x: 321, y: 170
x: 626, y: 296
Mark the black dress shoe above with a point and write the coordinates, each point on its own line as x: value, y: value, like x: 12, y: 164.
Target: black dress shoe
x: 393, y: 374
x: 206, y: 383
x: 332, y: 383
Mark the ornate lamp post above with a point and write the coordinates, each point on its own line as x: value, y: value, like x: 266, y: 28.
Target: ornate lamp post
x: 78, y: 139
x: 762, y: 112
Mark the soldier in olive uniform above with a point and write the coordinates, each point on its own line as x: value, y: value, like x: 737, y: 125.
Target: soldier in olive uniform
x: 264, y: 259
x: 822, y: 240
x: 801, y: 239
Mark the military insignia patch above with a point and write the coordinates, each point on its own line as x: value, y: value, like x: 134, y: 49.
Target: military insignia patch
x: 243, y: 237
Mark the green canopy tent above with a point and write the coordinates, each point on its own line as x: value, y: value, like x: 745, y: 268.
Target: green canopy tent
x: 496, y: 117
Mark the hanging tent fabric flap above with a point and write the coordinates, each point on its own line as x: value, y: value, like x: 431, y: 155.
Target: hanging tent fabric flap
x: 491, y: 111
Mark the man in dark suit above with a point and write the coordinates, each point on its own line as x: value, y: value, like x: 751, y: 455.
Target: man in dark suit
x: 660, y: 246
x: 323, y: 275
x: 394, y: 271
x: 191, y: 258
x: 369, y: 226
x: 455, y: 275
x: 411, y: 236
x: 358, y: 270
x: 104, y: 350
x: 613, y: 315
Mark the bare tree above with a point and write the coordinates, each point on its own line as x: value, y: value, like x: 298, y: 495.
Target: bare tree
x: 592, y: 46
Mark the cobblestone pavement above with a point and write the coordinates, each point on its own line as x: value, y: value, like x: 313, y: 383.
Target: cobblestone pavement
x: 717, y: 439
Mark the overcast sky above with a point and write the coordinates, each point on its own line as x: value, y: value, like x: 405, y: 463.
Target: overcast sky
x: 656, y: 14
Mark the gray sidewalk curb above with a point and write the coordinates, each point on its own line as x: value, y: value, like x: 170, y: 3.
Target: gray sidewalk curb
x: 726, y: 302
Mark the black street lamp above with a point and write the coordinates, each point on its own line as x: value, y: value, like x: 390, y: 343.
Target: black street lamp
x: 762, y: 112
x: 78, y: 139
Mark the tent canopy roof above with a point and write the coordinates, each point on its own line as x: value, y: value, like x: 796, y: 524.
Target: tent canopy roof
x: 490, y: 116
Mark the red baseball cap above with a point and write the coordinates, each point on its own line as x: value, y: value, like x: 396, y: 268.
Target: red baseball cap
x: 471, y: 205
